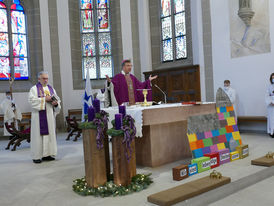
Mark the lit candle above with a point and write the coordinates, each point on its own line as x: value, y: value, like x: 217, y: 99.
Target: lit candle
x: 122, y: 110
x: 118, y: 121
x: 91, y: 114
x: 96, y: 105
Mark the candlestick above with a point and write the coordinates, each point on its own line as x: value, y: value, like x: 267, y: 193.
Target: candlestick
x: 122, y: 110
x: 91, y: 114
x: 118, y: 121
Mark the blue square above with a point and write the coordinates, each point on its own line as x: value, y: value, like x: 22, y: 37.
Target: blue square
x: 192, y: 169
x: 206, y: 150
x: 197, y: 153
x: 222, y: 109
x: 200, y: 135
x: 215, y: 133
x: 228, y: 136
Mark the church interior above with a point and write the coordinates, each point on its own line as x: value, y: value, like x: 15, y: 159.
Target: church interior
x: 190, y: 47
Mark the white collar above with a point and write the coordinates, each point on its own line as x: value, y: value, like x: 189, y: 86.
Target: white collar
x: 124, y: 73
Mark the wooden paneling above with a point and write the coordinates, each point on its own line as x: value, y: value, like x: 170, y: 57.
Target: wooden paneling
x: 180, y: 84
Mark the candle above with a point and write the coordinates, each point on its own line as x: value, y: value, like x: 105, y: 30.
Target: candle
x: 91, y: 114
x: 122, y: 110
x: 118, y: 121
x: 96, y: 105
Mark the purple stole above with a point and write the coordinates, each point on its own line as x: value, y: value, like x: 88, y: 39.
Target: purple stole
x: 43, y: 113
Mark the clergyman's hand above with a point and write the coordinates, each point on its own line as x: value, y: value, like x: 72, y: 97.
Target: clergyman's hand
x: 54, y: 103
x: 48, y: 98
x: 108, y: 79
x: 152, y: 77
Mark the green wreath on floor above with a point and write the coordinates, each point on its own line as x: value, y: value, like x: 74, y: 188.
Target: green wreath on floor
x: 138, y: 183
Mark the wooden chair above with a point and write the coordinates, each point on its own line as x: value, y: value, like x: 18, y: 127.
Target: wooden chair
x: 18, y: 136
x: 73, y: 128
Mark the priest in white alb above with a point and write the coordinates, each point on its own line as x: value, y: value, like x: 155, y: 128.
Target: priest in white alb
x: 45, y: 106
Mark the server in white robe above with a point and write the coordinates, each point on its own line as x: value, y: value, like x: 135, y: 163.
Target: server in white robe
x: 269, y: 99
x: 231, y: 93
x: 45, y: 106
x: 11, y: 112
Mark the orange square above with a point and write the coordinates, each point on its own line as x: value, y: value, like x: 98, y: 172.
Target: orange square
x: 229, y: 129
x: 240, y: 141
x: 200, y: 144
x: 228, y: 109
x: 193, y: 145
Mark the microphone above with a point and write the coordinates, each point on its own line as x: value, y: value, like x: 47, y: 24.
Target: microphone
x: 161, y: 91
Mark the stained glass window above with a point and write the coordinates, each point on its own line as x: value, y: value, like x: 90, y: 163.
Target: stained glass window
x: 173, y: 30
x: 96, y: 38
x: 13, y: 41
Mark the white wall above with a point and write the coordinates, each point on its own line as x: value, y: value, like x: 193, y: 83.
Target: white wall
x: 248, y: 75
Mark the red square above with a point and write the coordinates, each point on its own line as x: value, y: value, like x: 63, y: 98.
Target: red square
x: 200, y: 144
x: 214, y: 159
x: 229, y: 129
x: 222, y: 138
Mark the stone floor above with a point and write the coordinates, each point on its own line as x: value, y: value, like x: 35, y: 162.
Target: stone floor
x: 50, y: 183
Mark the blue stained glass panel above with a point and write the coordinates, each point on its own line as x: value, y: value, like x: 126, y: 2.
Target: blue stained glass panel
x: 165, y: 8
x: 104, y: 44
x: 166, y: 28
x: 86, y: 4
x: 3, y: 21
x: 17, y: 7
x: 181, y: 51
x: 19, y: 45
x: 103, y: 20
x: 180, y: 26
x: 18, y: 22
x: 90, y: 63
x: 21, y: 70
x: 4, y: 44
x: 105, y: 66
x: 102, y: 4
x: 179, y: 5
x: 88, y: 45
x: 167, y: 50
x: 87, y: 21
x: 4, y: 68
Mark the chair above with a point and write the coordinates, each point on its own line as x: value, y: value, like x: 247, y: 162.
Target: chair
x: 73, y: 128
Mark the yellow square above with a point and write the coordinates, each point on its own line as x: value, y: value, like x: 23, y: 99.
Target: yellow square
x: 234, y: 156
x: 236, y: 135
x: 218, y: 110
x: 192, y: 137
x: 230, y: 121
x: 221, y: 146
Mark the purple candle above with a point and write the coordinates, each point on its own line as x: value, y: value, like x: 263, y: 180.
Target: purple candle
x: 122, y: 110
x: 91, y: 114
x: 118, y: 121
x: 96, y: 105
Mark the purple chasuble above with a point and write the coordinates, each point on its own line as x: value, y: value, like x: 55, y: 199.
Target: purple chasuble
x: 43, y: 113
x: 121, y: 89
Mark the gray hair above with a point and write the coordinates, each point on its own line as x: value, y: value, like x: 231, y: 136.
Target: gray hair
x: 42, y: 72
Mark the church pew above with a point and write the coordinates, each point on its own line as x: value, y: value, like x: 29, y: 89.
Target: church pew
x: 74, y: 116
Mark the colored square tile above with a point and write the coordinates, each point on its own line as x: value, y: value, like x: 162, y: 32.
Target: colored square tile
x: 228, y: 136
x: 236, y: 135
x: 218, y: 109
x: 215, y: 140
x: 228, y: 109
x: 221, y: 116
x: 232, y: 113
x: 214, y: 148
x: 230, y: 121
x: 215, y: 133
x: 207, y: 142
x: 222, y: 131
x: 222, y: 109
x: 200, y: 144
x: 197, y: 153
x: 226, y: 115
x: 200, y: 135
x: 240, y: 141
x: 235, y: 128
x: 227, y: 145
x: 208, y: 134
x: 206, y: 150
x: 192, y: 137
x: 229, y: 129
x: 222, y: 138
x: 193, y: 145
x: 221, y: 146
x: 223, y: 123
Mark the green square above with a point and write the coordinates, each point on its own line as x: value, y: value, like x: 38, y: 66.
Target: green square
x: 203, y: 163
x: 226, y: 115
x: 238, y: 142
x: 227, y: 145
x: 222, y: 131
x: 207, y: 142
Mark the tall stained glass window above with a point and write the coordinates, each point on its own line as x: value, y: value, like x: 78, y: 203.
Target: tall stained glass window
x: 96, y: 38
x: 173, y: 30
x: 13, y: 41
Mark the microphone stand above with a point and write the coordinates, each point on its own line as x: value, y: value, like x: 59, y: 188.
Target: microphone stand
x: 161, y: 91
